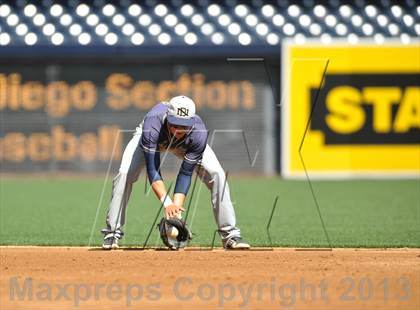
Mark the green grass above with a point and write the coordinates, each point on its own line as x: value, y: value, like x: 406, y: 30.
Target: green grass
x: 358, y: 213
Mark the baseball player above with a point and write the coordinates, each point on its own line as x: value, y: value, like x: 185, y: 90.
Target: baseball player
x: 174, y: 127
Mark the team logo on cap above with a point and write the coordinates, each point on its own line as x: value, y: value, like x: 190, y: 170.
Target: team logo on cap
x: 182, y: 112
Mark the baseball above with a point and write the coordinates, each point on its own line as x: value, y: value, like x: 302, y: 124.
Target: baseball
x: 172, y: 233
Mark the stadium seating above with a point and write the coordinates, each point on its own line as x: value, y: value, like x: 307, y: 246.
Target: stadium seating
x: 203, y: 23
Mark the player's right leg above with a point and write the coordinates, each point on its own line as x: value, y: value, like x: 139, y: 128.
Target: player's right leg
x: 131, y: 165
x: 212, y: 174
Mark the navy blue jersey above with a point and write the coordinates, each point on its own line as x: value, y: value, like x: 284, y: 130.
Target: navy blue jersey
x: 156, y: 138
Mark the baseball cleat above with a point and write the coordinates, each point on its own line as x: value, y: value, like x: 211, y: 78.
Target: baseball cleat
x: 110, y: 242
x: 111, y: 239
x: 236, y: 243
x: 115, y: 244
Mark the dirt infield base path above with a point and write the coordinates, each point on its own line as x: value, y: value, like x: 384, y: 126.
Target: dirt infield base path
x: 83, y: 278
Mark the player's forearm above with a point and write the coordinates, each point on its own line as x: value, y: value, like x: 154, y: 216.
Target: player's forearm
x: 183, y: 181
x: 172, y: 208
x: 159, y: 188
x: 179, y: 199
x: 152, y: 165
x: 160, y: 191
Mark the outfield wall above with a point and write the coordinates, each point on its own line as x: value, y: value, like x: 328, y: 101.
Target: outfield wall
x: 76, y: 115
x: 338, y: 110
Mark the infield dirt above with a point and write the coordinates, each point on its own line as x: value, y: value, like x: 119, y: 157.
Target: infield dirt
x: 86, y: 278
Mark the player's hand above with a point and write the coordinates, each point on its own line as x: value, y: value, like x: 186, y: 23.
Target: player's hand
x: 173, y: 210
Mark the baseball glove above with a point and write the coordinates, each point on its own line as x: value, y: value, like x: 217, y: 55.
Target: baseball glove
x: 184, y: 233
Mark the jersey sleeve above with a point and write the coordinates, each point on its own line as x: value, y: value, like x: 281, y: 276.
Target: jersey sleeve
x: 196, y: 148
x: 150, y: 134
x: 153, y: 166
x: 149, y: 144
x: 193, y: 155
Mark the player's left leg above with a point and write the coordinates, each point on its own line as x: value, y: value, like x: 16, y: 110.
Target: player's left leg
x: 212, y: 174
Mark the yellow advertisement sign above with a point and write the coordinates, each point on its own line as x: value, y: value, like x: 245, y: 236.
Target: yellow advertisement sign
x: 350, y: 110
